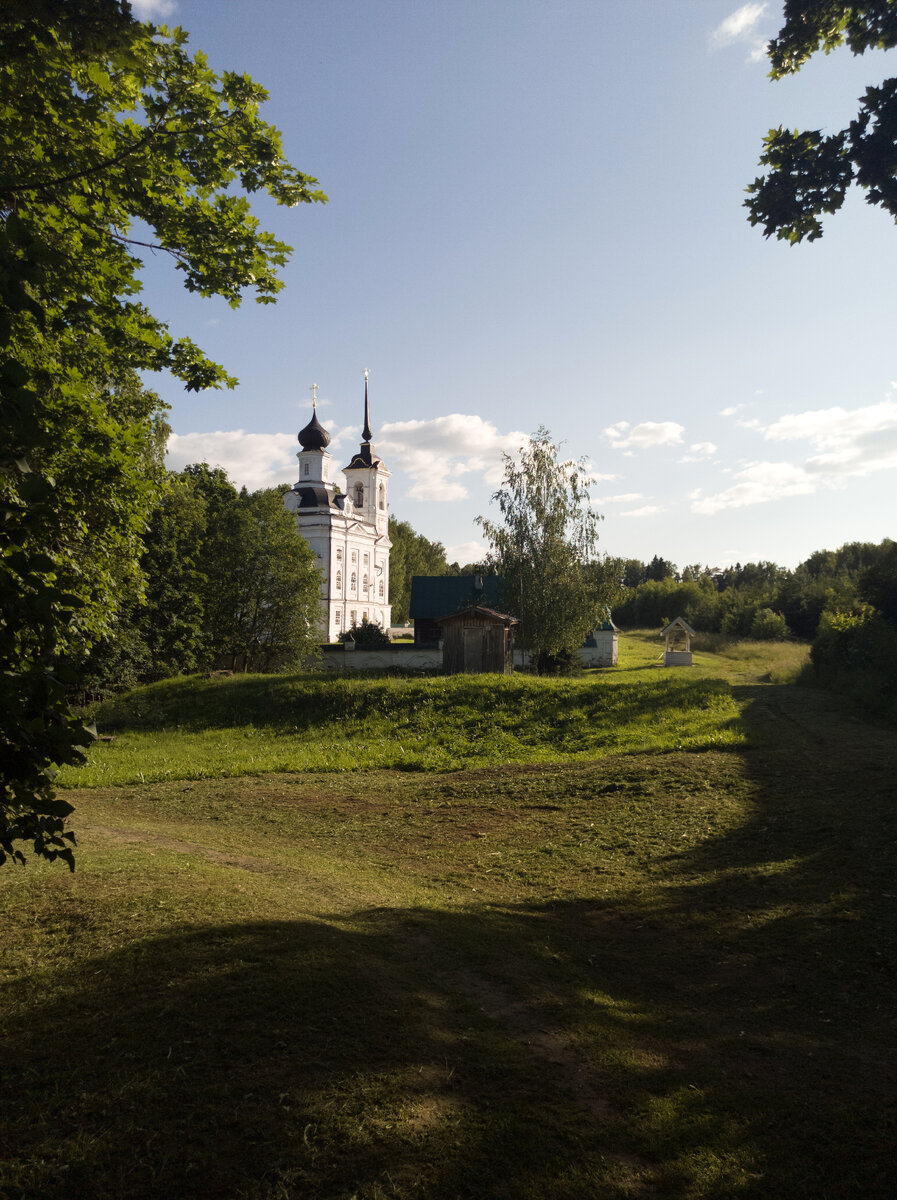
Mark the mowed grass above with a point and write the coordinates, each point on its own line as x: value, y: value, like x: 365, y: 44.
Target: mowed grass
x: 664, y: 974
x: 194, y: 728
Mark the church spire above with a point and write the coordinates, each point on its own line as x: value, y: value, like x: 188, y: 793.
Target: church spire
x: 366, y: 433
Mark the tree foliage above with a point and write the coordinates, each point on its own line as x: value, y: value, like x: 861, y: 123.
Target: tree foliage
x: 810, y: 172
x: 261, y: 590
x: 544, y: 548
x: 411, y: 554
x: 112, y: 138
x: 230, y: 583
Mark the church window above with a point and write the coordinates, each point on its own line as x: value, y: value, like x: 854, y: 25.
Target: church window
x: 359, y: 495
x: 367, y: 559
x: 364, y: 615
x: 353, y: 582
x: 339, y: 556
x: 338, y: 618
x: 305, y: 472
x: 339, y: 580
x: 364, y: 583
x: 382, y: 497
x: 354, y: 616
x: 354, y: 556
x: 381, y: 589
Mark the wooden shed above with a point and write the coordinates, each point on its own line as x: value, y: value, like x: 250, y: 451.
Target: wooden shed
x: 477, y: 640
x: 433, y: 595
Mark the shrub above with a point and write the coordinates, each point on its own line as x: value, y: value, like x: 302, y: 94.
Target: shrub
x: 768, y: 626
x: 565, y: 662
x: 366, y: 636
x: 856, y: 652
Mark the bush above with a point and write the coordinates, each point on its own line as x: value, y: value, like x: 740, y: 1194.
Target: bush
x: 565, y: 662
x: 856, y: 653
x: 366, y: 636
x: 768, y: 626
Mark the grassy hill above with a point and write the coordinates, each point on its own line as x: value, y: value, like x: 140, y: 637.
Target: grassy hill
x: 194, y: 728
x: 658, y: 972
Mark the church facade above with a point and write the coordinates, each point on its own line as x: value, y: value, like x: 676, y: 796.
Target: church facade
x: 347, y: 530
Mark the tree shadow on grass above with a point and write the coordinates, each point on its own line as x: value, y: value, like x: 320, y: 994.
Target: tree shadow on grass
x: 729, y: 1032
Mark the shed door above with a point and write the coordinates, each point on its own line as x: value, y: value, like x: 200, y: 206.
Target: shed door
x: 495, y: 649
x: 473, y: 648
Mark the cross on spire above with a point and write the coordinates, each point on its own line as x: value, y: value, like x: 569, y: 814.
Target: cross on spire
x: 314, y: 395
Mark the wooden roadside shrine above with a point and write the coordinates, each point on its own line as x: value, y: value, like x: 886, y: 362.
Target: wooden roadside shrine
x: 677, y: 643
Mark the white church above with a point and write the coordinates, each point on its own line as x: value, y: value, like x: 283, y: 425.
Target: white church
x: 348, y: 531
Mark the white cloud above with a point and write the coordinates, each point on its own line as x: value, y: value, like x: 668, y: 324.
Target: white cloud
x: 843, y: 444
x: 466, y: 552
x: 648, y: 433
x: 435, y: 452
x: 153, y: 10
x: 698, y: 451
x: 731, y: 410
x: 741, y: 26
x: 590, y: 476
x: 759, y: 482
x: 623, y: 498
x: 859, y: 441
x: 647, y: 510
x: 255, y: 459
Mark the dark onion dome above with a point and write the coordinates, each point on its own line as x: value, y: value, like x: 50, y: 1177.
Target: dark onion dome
x: 309, y: 496
x: 314, y: 436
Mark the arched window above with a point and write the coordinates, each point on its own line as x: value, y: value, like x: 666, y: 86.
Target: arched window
x: 382, y: 497
x: 359, y: 495
x: 364, y: 583
x: 381, y: 589
x: 353, y: 583
x: 339, y: 580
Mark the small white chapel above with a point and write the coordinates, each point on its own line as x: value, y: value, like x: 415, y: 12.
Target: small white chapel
x: 348, y: 531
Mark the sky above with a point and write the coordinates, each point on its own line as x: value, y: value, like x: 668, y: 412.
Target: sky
x: 536, y: 218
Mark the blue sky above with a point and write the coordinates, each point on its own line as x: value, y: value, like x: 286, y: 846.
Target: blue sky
x: 536, y: 218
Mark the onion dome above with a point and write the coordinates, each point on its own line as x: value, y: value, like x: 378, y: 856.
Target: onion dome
x: 314, y: 436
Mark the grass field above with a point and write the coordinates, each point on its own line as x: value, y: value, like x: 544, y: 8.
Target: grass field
x: 653, y: 971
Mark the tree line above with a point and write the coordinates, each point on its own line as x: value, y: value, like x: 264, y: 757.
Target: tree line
x: 758, y: 599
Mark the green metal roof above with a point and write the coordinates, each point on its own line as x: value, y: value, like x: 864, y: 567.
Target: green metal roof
x: 434, y: 596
